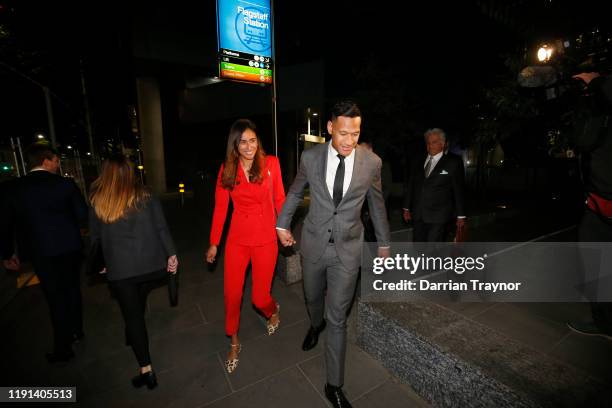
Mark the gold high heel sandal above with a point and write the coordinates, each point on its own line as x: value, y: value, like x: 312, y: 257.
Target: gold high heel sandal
x: 231, y: 365
x: 273, y: 327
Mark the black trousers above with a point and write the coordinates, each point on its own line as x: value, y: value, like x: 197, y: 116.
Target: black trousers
x: 60, y: 281
x: 428, y: 232
x: 593, y: 229
x: 131, y: 293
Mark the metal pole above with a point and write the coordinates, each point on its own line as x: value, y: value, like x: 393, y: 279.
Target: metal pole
x: 274, y: 73
x: 15, y: 157
x: 79, y: 170
x: 274, y: 115
x: 25, y: 171
x: 50, y: 116
x: 94, y: 156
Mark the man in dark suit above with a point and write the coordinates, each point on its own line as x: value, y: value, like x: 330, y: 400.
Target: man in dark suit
x: 43, y: 213
x: 340, y: 176
x: 434, y: 194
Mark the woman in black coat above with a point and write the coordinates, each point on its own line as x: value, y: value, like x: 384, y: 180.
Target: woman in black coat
x: 129, y: 224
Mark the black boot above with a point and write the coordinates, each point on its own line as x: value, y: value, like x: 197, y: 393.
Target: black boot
x: 149, y: 379
x: 312, y: 337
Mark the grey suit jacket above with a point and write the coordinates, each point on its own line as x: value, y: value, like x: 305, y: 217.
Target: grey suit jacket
x: 344, y: 221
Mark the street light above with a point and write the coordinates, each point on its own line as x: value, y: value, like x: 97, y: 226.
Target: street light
x: 544, y: 53
x: 40, y: 136
x: 69, y: 147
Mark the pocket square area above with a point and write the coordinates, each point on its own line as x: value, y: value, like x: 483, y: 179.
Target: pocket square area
x: 444, y: 172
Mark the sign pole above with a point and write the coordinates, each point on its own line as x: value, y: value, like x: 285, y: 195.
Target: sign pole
x: 274, y: 73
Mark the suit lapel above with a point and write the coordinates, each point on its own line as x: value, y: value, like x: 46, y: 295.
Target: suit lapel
x: 356, y: 173
x: 438, y: 165
x: 323, y: 170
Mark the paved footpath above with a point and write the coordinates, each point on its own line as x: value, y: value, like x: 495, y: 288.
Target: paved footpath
x: 188, y: 345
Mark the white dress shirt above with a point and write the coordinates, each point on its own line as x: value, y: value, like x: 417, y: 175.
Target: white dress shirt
x: 435, y: 159
x: 332, y: 167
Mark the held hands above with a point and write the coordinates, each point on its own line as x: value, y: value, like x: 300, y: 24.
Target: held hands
x: 211, y: 254
x: 172, y: 264
x: 285, y: 237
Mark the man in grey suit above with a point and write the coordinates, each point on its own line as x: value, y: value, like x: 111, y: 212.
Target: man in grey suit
x: 340, y: 176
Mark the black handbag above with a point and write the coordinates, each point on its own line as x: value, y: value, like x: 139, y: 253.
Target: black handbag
x: 173, y: 288
x: 94, y: 262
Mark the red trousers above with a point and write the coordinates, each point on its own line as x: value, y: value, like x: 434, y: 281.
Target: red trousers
x: 263, y: 261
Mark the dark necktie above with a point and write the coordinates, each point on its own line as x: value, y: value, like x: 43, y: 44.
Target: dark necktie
x: 339, y: 181
x: 428, y: 166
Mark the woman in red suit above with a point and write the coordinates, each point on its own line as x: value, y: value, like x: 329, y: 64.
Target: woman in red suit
x: 253, y: 181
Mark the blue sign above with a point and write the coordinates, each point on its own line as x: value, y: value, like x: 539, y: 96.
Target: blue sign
x: 245, y: 26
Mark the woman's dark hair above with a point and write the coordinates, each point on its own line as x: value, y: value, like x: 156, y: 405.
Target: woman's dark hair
x: 230, y: 170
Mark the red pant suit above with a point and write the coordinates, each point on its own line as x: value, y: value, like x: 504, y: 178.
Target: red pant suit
x: 252, y: 237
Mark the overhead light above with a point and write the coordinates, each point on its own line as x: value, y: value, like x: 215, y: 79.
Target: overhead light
x: 40, y: 136
x: 544, y: 53
x: 196, y: 82
x: 68, y: 147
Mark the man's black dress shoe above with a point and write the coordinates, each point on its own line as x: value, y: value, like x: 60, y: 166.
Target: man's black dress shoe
x: 312, y: 337
x: 59, y: 357
x: 336, y: 397
x: 149, y: 379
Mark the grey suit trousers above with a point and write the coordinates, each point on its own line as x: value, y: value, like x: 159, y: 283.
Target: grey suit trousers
x: 329, y: 272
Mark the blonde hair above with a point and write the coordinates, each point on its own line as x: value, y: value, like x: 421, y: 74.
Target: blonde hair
x: 115, y: 192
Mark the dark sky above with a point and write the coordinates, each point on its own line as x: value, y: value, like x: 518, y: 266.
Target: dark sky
x: 434, y: 55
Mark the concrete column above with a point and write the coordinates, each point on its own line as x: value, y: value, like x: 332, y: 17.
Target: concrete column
x: 151, y: 133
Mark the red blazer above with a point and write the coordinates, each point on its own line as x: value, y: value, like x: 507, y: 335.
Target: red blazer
x: 255, y: 207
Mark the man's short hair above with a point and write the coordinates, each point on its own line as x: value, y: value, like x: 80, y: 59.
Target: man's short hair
x: 38, y: 152
x: 346, y: 108
x: 435, y: 131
